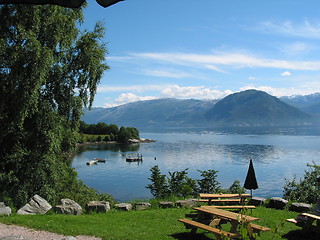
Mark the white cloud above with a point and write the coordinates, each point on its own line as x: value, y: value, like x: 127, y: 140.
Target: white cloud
x: 286, y: 73
x: 234, y: 60
x: 295, y: 48
x: 130, y: 97
x: 165, y: 73
x: 279, y: 92
x: 131, y: 88
x: 252, y: 78
x: 303, y: 30
x: 198, y: 92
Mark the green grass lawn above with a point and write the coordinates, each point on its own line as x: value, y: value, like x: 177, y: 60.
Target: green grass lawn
x: 150, y: 224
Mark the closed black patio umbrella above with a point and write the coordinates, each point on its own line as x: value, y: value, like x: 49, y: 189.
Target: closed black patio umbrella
x: 251, y: 181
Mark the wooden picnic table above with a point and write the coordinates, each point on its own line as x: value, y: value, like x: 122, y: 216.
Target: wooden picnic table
x: 306, y: 220
x: 220, y: 197
x: 219, y: 216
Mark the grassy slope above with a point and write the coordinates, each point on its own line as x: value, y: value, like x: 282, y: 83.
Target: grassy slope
x: 150, y: 224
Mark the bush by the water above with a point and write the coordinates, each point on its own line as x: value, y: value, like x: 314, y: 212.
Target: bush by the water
x: 179, y: 184
x: 306, y: 189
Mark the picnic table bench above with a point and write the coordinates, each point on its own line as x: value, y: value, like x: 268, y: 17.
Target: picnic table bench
x: 220, y: 216
x: 306, y: 220
x: 216, y: 231
x: 219, y: 197
x: 236, y: 207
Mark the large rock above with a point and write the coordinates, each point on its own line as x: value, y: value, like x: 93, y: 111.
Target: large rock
x: 187, y: 203
x: 68, y: 207
x: 124, y: 206
x: 142, y: 205
x: 4, y: 210
x: 166, y: 204
x: 257, y: 201
x: 300, y: 207
x: 36, y: 205
x: 97, y: 206
x: 277, y: 203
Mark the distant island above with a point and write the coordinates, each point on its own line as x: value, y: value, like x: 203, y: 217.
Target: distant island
x: 250, y: 108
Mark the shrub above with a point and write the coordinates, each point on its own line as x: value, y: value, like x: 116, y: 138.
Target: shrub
x: 306, y: 189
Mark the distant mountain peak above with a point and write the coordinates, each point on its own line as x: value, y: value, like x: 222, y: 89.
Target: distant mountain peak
x: 253, y: 107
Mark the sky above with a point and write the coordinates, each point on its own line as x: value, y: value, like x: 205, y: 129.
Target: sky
x: 207, y: 49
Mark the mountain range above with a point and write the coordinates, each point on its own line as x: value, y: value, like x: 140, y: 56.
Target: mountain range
x: 247, y: 108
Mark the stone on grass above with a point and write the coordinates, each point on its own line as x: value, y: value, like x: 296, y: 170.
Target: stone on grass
x: 187, y: 203
x: 142, y: 205
x: 124, y: 206
x: 166, y: 204
x: 257, y: 201
x: 98, y: 206
x: 277, y: 203
x: 68, y: 207
x: 300, y: 207
x: 36, y: 205
x: 4, y: 210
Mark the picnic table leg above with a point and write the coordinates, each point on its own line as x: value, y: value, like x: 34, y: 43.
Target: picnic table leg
x: 218, y: 236
x: 234, y: 225
x: 250, y: 231
x: 307, y: 225
x: 193, y: 230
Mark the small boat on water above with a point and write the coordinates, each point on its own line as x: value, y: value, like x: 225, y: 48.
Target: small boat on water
x: 134, y: 159
x: 92, y: 162
x: 138, y: 158
x: 99, y: 160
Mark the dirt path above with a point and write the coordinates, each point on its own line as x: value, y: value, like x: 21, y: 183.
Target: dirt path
x: 30, y: 234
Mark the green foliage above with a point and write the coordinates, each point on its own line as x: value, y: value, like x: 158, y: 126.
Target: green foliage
x: 159, y: 186
x: 236, y: 188
x: 306, y: 189
x: 112, y: 131
x: 208, y: 183
x: 49, y: 70
x: 178, y: 184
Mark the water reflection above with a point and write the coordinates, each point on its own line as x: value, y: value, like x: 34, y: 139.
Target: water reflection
x: 241, y: 153
x: 275, y: 157
x: 109, y: 147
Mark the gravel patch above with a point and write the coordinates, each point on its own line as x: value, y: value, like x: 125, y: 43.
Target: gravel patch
x: 12, y: 232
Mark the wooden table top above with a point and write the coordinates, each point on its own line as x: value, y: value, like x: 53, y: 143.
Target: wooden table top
x: 221, y: 195
x: 226, y: 214
x: 316, y: 217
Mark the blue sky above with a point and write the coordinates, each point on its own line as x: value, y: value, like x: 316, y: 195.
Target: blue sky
x: 207, y: 49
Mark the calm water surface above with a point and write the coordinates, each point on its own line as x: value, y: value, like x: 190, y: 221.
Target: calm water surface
x: 275, y: 157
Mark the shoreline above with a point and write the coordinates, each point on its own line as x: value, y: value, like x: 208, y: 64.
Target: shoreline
x: 130, y: 141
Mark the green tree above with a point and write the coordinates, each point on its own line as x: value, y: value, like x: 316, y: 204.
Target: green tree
x: 180, y: 184
x: 236, y: 188
x: 159, y: 185
x: 123, y: 135
x: 208, y: 183
x: 134, y: 133
x: 49, y: 70
x: 305, y: 189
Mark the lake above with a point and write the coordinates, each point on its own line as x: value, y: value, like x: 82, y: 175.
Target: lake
x: 275, y: 157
